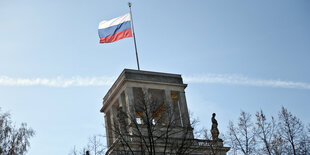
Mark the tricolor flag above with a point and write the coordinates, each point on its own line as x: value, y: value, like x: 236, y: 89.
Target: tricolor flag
x: 115, y: 29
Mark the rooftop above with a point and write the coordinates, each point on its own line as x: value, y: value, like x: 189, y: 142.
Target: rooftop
x: 144, y: 77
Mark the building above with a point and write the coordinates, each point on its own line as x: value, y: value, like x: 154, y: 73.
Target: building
x: 146, y: 113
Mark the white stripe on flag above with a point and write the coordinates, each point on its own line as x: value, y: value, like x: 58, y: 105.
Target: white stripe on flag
x: 114, y: 21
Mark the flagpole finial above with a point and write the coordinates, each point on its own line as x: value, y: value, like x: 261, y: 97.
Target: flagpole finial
x: 129, y: 4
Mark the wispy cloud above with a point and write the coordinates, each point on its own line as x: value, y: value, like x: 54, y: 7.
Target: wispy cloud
x: 108, y: 81
x: 57, y: 82
x: 246, y: 81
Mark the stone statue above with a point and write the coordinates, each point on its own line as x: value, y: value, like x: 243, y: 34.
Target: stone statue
x: 214, y: 130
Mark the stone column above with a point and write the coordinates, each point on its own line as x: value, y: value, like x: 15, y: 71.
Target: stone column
x: 124, y: 108
x: 184, y: 110
x: 107, y: 130
x: 122, y: 102
x: 130, y: 105
x: 146, y: 95
x: 169, y: 106
x: 112, y: 136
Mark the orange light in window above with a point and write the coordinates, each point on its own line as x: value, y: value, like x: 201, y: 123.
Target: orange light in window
x: 174, y: 96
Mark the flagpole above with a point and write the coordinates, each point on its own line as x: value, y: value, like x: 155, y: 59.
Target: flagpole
x: 134, y: 36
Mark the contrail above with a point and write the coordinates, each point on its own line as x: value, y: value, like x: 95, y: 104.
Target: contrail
x: 246, y: 81
x: 57, y: 82
x: 78, y: 81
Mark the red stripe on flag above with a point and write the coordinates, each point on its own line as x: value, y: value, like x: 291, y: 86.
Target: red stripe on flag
x: 117, y: 36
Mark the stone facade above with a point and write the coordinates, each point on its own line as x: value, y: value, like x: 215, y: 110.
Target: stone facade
x: 147, y: 112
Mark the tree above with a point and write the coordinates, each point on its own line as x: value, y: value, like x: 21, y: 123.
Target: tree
x: 242, y: 137
x: 154, y: 124
x: 94, y: 146
x: 13, y: 140
x: 278, y: 145
x: 304, y: 145
x: 306, y: 141
x: 286, y: 135
x: 265, y: 132
x: 291, y: 129
x: 74, y: 151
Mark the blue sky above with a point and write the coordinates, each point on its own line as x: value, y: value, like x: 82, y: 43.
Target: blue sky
x: 234, y: 55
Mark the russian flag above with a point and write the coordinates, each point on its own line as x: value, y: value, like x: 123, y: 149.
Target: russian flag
x: 115, y: 29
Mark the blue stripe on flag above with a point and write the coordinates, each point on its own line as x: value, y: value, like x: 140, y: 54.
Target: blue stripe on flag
x: 113, y: 29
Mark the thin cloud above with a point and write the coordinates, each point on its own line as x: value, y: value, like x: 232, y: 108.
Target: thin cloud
x: 57, y: 82
x: 78, y: 81
x: 246, y: 81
